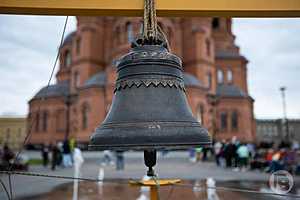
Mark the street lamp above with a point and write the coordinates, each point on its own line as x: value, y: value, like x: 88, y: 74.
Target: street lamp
x: 68, y: 101
x: 285, y: 119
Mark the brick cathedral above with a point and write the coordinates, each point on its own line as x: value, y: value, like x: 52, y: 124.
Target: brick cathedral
x: 215, y: 77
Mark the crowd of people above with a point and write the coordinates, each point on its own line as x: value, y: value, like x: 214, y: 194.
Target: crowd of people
x: 7, y: 156
x: 9, y: 160
x: 231, y: 154
x: 62, y: 154
x: 59, y: 154
x: 248, y: 156
x: 114, y: 159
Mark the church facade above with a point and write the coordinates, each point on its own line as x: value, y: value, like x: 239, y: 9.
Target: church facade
x: 215, y: 78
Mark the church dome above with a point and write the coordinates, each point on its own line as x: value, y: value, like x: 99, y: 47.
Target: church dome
x: 69, y: 38
x: 230, y: 91
x: 98, y: 79
x: 191, y: 80
x: 56, y: 90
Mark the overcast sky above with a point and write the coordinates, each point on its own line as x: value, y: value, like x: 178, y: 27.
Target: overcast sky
x: 28, y: 46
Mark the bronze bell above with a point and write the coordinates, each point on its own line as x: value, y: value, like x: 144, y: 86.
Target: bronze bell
x: 149, y: 110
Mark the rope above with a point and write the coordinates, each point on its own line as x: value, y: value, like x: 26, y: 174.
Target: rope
x: 150, y: 22
x: 155, y: 178
x: 152, y: 33
x: 39, y: 108
x: 5, y: 189
x: 10, y: 187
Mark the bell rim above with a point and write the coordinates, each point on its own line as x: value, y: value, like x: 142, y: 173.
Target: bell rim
x: 142, y: 124
x: 138, y: 147
x: 201, y: 137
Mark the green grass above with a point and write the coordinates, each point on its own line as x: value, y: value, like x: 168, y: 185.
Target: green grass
x: 35, y: 161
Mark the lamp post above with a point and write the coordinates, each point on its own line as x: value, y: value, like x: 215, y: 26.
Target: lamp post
x: 285, y: 119
x: 68, y: 101
x: 68, y: 105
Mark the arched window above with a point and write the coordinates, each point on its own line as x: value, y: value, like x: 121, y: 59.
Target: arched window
x: 76, y: 79
x: 84, y: 115
x: 220, y: 76
x: 60, y: 120
x: 209, y: 80
x: 223, y: 119
x: 45, y: 121
x: 208, y: 49
x: 68, y: 58
x: 229, y: 76
x: 200, y: 114
x: 78, y: 45
x: 129, y: 31
x: 215, y: 23
x: 37, y: 123
x: 234, y: 120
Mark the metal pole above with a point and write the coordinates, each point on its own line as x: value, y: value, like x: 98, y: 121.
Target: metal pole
x: 68, y: 105
x: 153, y: 192
x: 285, y: 119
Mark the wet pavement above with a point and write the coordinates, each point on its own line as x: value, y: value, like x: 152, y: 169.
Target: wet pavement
x: 187, y: 190
x: 174, y: 165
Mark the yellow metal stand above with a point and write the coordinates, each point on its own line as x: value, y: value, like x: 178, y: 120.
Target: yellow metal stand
x: 166, y: 8
x: 153, y: 184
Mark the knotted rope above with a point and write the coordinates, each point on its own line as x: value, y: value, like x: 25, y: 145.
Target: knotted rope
x: 152, y: 33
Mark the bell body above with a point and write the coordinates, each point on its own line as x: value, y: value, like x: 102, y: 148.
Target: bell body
x: 149, y: 109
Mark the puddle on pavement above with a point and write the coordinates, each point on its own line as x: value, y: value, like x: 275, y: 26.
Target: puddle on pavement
x: 187, y: 190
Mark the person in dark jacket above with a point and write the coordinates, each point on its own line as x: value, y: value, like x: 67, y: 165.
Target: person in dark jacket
x: 55, y: 156
x: 7, y: 156
x: 67, y: 158
x: 229, y: 153
x: 45, y: 154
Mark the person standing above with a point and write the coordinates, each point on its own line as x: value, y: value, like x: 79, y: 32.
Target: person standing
x: 67, y: 159
x: 55, y: 156
x: 192, y: 155
x: 204, y: 153
x: 72, y: 143
x: 60, y: 153
x: 7, y: 156
x: 107, y: 160
x: 229, y: 153
x: 198, y: 153
x: 243, y: 156
x: 120, y: 160
x: 45, y: 154
x: 217, y: 152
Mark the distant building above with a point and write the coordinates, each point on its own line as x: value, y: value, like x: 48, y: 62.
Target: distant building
x: 215, y: 77
x: 12, y: 131
x: 275, y: 131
